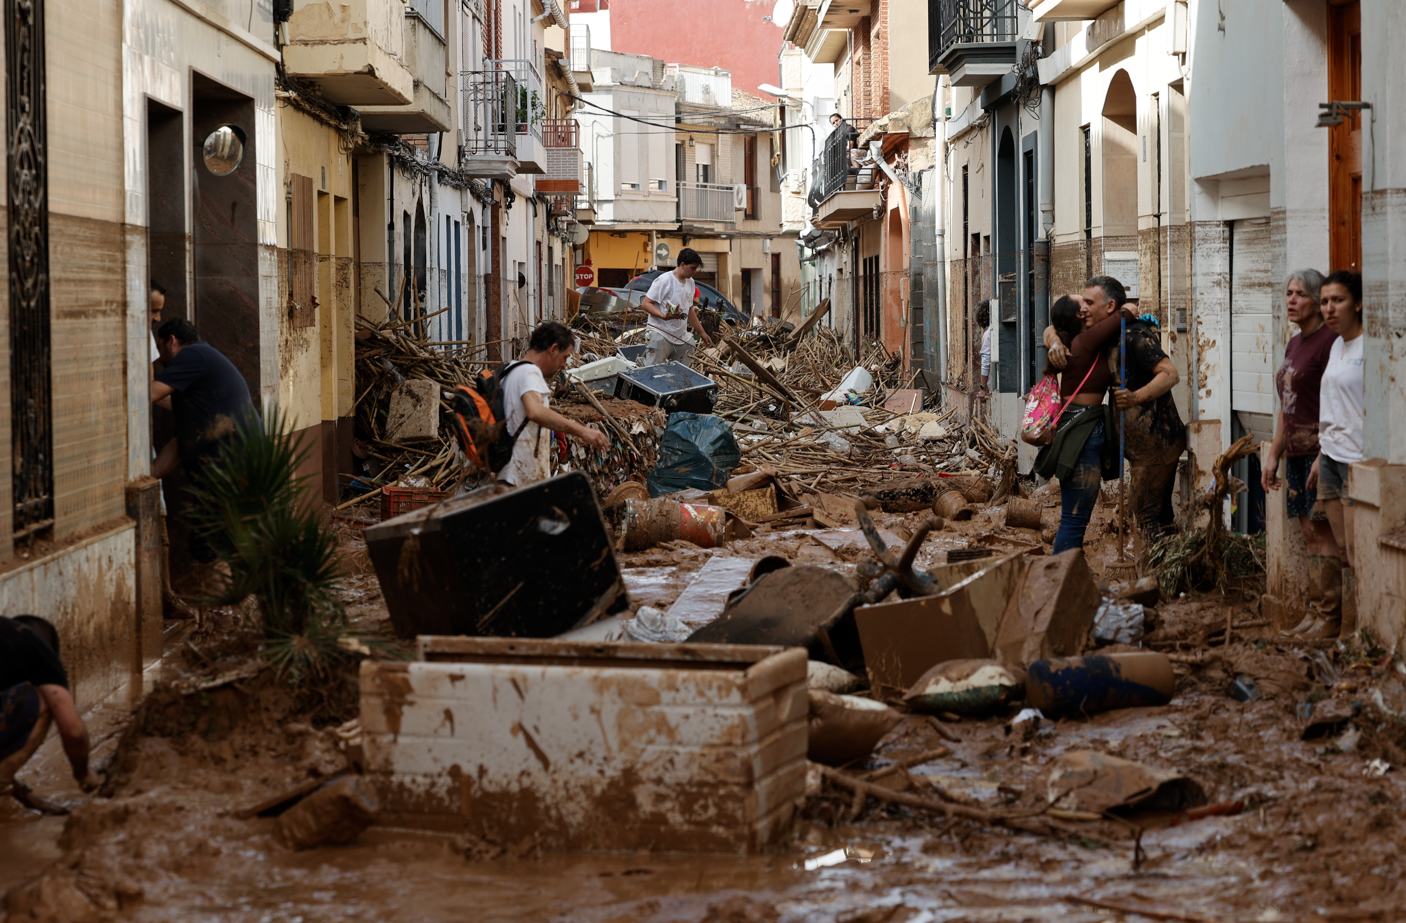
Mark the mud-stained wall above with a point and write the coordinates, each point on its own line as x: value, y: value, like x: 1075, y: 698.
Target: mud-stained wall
x: 86, y: 590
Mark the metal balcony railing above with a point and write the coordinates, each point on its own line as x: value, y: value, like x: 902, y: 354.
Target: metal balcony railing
x: 953, y: 22
x: 580, y: 49
x: 531, y: 107
x: 706, y: 202
x: 837, y: 170
x: 703, y: 87
x: 490, y: 112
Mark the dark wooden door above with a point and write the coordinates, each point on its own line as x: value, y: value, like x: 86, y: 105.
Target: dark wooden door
x: 1345, y: 140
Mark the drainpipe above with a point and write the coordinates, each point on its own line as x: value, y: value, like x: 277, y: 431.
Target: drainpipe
x: 1042, y: 247
x: 391, y: 290
x: 939, y: 114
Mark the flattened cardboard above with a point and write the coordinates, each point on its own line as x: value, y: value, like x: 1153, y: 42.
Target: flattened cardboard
x: 1053, y: 612
x: 902, y: 640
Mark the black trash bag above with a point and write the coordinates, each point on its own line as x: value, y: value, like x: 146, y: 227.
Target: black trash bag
x: 697, y: 451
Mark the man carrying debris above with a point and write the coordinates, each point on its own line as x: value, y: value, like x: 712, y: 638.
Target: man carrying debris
x: 669, y: 303
x: 525, y: 398
x: 1155, y: 434
x: 33, y: 695
x: 208, y: 395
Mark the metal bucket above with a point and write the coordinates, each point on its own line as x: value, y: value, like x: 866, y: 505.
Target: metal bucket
x: 951, y: 504
x: 649, y: 522
x: 1023, y: 514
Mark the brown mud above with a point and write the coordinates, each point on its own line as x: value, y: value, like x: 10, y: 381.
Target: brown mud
x: 1319, y: 838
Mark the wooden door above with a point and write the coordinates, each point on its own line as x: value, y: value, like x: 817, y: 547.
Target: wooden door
x: 1345, y: 140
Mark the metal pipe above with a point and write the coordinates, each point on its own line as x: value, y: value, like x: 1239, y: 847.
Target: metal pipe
x: 1045, y: 177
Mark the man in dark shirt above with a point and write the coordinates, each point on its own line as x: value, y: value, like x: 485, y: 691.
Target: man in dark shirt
x: 1156, y: 435
x: 33, y: 695
x: 208, y: 397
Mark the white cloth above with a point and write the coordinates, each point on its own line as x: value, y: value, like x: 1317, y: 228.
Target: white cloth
x: 666, y: 291
x: 155, y: 353
x: 532, y: 453
x: 986, y: 352
x: 1342, y: 402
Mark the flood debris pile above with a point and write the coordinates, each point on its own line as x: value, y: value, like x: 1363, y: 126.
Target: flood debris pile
x: 402, y: 384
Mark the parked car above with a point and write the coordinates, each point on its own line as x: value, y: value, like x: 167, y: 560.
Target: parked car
x: 707, y: 295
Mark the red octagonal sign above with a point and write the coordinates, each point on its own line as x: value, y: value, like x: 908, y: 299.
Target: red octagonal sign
x: 585, y: 275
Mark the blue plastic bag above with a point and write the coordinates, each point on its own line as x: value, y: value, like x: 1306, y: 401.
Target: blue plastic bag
x: 697, y: 451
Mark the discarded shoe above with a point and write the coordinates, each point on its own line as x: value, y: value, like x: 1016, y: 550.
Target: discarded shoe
x: 1309, y: 620
x: 1325, y: 629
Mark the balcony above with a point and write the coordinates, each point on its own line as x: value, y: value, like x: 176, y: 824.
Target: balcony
x: 528, y: 113
x: 425, y: 55
x: 489, y: 124
x: 707, y: 204
x: 561, y: 138
x: 579, y: 53
x: 973, y: 40
x: 352, y: 53
x: 702, y: 86
x: 1051, y: 10
x: 843, y: 190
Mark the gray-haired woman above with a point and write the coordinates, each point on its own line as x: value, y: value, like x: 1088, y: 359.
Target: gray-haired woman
x: 1296, y: 441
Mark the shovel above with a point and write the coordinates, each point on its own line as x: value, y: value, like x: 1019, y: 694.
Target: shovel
x: 1122, y: 568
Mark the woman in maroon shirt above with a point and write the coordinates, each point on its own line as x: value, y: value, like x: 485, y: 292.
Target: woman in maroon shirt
x: 1296, y: 441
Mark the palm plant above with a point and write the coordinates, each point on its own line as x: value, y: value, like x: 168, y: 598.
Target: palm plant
x: 261, y: 517
x: 259, y: 514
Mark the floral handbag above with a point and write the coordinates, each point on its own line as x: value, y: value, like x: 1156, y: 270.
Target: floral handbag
x: 1043, y: 410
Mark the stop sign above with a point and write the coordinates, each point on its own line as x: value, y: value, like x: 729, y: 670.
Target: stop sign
x: 585, y: 275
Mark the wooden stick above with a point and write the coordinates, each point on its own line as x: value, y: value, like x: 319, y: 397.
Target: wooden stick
x: 926, y: 756
x: 614, y: 424
x: 950, y: 809
x: 1140, y: 911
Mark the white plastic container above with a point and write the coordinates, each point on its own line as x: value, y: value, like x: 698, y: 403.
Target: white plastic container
x: 858, y: 381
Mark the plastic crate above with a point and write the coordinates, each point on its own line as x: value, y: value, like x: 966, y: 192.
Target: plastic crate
x: 396, y: 501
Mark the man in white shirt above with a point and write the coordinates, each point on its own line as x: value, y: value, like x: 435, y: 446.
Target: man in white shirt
x: 669, y: 303
x: 525, y: 398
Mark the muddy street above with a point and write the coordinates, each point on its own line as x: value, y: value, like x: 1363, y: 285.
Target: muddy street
x: 1302, y: 829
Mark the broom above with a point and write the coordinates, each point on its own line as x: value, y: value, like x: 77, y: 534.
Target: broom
x: 1122, y: 570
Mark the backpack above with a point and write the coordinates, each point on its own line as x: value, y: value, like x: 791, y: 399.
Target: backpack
x: 480, y: 423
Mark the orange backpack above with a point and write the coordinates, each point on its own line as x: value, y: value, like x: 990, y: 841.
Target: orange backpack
x: 478, y: 408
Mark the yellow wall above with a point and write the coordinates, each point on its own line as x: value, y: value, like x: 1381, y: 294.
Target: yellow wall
x: 316, y: 363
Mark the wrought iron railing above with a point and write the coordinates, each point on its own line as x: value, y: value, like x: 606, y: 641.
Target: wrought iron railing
x: 953, y: 22
x: 838, y: 169
x: 707, y: 202
x: 580, y: 48
x: 531, y: 105
x: 490, y: 112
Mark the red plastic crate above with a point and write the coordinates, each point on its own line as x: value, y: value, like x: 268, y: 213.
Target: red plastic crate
x: 398, y: 500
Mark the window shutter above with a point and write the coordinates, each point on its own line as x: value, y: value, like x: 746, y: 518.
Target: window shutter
x: 629, y: 166
x: 658, y: 138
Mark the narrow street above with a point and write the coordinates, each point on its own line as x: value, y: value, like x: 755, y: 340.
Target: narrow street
x: 703, y: 461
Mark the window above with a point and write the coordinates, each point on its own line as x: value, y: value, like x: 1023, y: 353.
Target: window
x: 703, y: 163
x: 749, y: 170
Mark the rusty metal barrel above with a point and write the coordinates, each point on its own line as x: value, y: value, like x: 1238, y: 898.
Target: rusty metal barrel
x: 649, y: 522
